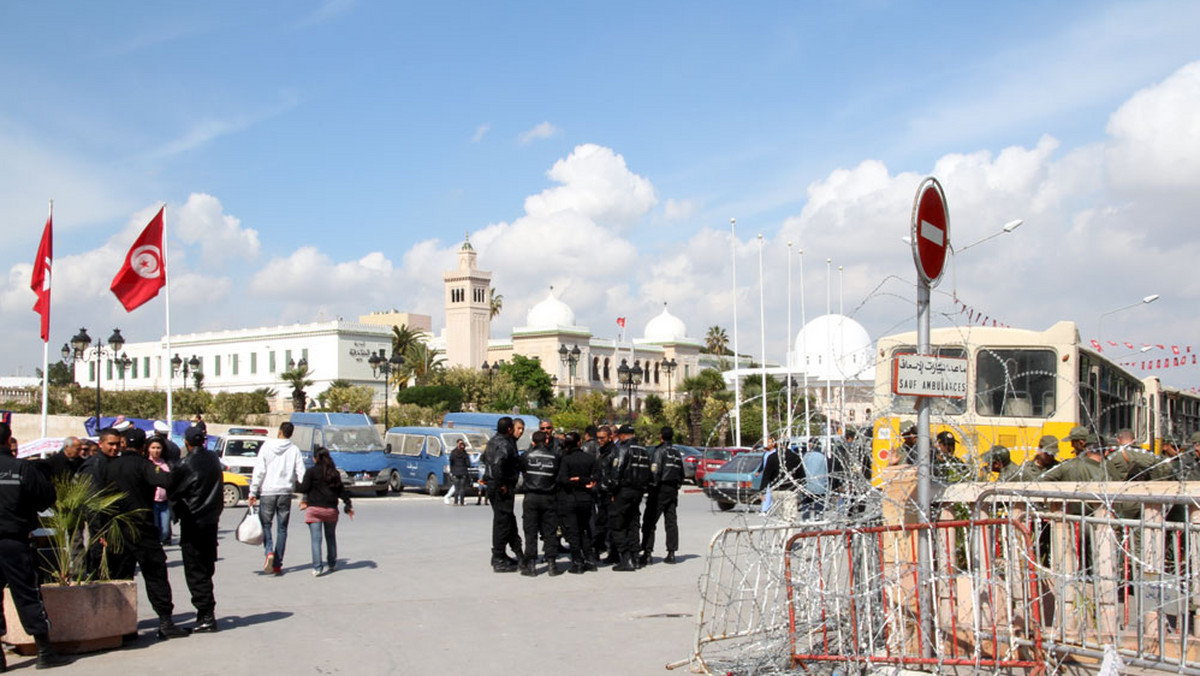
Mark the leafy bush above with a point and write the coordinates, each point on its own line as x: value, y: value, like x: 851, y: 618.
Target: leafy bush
x: 441, y: 397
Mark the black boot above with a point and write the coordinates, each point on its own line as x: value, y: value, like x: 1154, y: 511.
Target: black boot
x: 47, y: 657
x: 206, y: 623
x: 554, y: 569
x: 168, y: 629
x: 669, y: 558
x: 577, y: 568
x: 626, y: 564
x: 529, y: 568
x: 502, y: 565
x: 644, y: 560
x: 611, y: 558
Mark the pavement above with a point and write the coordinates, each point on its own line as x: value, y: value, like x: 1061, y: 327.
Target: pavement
x: 414, y: 594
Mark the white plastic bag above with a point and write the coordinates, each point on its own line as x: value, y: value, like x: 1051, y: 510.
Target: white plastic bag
x: 250, y: 530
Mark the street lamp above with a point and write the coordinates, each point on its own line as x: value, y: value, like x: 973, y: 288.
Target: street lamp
x: 629, y: 379
x: 669, y: 365
x: 1100, y: 321
x: 77, y: 350
x: 570, y: 358
x: 385, y: 367
x: 123, y: 363
x: 1008, y: 227
x: 190, y: 366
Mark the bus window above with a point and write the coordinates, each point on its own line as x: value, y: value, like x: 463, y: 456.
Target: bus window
x: 1015, y: 382
x: 940, y: 405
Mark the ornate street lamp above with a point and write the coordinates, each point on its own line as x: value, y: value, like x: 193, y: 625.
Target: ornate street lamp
x: 570, y: 358
x: 77, y: 351
x: 385, y: 367
x: 190, y: 366
x: 123, y: 363
x: 669, y: 365
x: 630, y: 379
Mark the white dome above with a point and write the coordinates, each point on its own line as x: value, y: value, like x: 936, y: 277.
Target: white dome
x: 833, y: 347
x: 550, y: 313
x: 665, y: 328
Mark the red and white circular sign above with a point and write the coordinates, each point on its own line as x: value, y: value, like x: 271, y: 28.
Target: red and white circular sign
x: 930, y: 231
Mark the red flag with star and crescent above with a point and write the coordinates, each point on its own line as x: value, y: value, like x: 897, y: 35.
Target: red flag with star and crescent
x: 143, y: 273
x: 40, y: 282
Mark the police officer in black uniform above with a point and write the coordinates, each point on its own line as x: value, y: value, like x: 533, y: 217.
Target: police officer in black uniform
x: 662, y: 498
x: 601, y: 542
x: 501, y: 467
x: 197, y: 498
x: 590, y: 444
x: 576, y: 482
x: 539, y: 512
x: 628, y: 478
x: 134, y: 475
x: 24, y: 491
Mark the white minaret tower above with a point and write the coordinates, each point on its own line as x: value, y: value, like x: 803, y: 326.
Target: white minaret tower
x: 468, y: 310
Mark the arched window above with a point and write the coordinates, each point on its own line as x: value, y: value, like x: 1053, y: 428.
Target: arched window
x: 606, y: 374
x: 595, y: 368
x: 656, y: 364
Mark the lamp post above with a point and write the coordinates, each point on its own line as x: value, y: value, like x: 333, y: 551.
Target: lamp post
x: 1100, y: 322
x: 669, y: 365
x: 187, y: 366
x: 630, y: 379
x: 570, y: 358
x: 123, y: 363
x: 385, y: 367
x: 77, y: 350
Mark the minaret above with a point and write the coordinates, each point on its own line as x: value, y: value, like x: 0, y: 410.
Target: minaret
x: 468, y: 310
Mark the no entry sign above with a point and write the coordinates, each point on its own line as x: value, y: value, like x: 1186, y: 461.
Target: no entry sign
x: 930, y: 231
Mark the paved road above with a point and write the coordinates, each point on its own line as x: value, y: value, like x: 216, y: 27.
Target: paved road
x: 414, y: 594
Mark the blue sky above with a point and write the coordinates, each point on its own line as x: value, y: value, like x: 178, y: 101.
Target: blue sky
x: 325, y: 158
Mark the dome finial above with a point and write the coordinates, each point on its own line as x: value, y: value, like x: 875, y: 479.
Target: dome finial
x: 466, y: 245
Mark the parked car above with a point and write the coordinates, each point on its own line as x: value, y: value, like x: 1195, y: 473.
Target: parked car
x: 234, y: 487
x: 238, y: 452
x: 714, y: 458
x: 691, y: 457
x: 738, y: 481
x: 420, y: 456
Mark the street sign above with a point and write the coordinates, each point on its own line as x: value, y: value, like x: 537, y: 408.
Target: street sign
x: 930, y: 231
x: 925, y: 376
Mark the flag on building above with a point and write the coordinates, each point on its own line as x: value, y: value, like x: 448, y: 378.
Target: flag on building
x: 143, y: 273
x: 621, y: 322
x: 40, y: 282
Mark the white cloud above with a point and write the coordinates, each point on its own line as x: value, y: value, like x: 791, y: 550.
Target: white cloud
x: 538, y: 132
x: 679, y: 210
x: 221, y: 236
x: 480, y: 132
x: 1156, y: 133
x: 596, y: 183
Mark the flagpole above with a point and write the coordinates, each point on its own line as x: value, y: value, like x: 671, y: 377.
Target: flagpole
x: 788, y: 349
x: 165, y: 359
x: 46, y: 344
x: 762, y: 334
x: 737, y: 376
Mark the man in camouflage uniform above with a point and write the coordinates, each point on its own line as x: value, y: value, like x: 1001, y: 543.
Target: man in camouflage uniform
x: 999, y: 460
x: 1127, y: 462
x: 1088, y: 463
x: 1043, y: 460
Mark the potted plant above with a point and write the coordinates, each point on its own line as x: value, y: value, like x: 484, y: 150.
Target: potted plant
x: 87, y: 611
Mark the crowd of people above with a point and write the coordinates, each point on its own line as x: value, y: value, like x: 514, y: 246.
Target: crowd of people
x: 588, y: 490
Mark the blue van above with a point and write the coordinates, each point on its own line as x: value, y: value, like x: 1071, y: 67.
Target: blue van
x: 486, y: 422
x: 422, y: 454
x: 354, y: 445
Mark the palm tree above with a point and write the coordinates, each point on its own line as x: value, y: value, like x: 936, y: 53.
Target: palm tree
x: 421, y: 363
x: 403, y: 338
x: 495, y: 303
x: 297, y: 377
x: 716, y: 341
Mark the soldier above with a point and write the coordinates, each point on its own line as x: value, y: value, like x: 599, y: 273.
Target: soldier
x: 1088, y: 463
x: 1042, y: 460
x: 948, y: 467
x: 1127, y: 462
x: 24, y: 491
x: 539, y: 512
x: 628, y: 477
x: 999, y: 460
x: 906, y: 452
x: 501, y: 464
x: 576, y: 507
x: 666, y: 476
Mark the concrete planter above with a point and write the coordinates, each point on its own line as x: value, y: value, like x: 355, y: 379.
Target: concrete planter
x: 83, y: 618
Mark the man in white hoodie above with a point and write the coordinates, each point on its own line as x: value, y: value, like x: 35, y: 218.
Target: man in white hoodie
x: 277, y: 470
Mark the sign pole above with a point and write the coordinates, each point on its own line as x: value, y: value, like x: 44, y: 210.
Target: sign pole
x: 930, y: 237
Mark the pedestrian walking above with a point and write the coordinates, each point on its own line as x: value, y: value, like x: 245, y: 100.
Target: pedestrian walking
x: 197, y: 497
x: 277, y: 469
x: 322, y: 487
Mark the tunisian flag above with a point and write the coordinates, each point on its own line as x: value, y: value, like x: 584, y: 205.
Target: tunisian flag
x: 143, y: 273
x: 41, y: 277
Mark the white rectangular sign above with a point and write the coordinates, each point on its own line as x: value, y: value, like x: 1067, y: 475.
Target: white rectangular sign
x: 925, y: 376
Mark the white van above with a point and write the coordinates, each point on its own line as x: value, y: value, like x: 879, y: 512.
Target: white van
x: 237, y: 452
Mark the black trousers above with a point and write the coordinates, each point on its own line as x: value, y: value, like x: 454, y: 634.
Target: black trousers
x: 539, y: 516
x: 145, y: 553
x: 623, y: 521
x: 600, y: 539
x: 198, y: 544
x: 575, y: 512
x: 661, y: 502
x: 16, y: 573
x: 504, y: 522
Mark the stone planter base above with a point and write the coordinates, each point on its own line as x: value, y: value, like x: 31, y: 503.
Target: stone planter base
x: 83, y: 618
